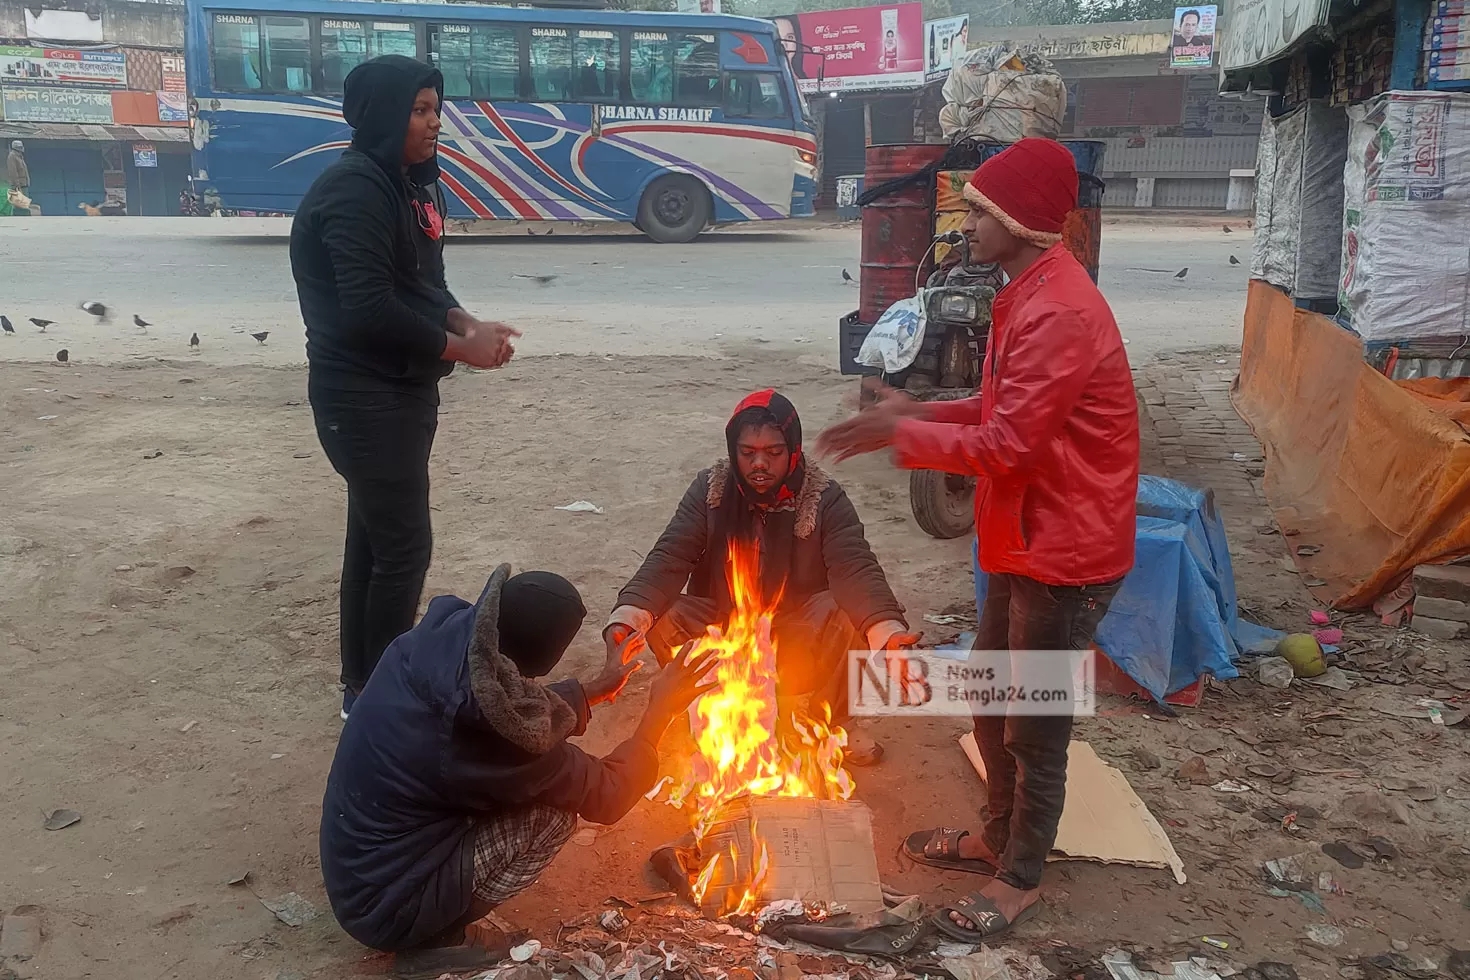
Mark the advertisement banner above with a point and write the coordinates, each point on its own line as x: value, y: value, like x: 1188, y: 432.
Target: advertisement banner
x: 699, y: 6
x: 145, y: 155
x: 1193, y: 45
x: 173, y: 107
x: 172, y: 66
x: 943, y: 40
x: 68, y: 105
x: 1263, y: 30
x: 855, y: 50
x: 59, y: 66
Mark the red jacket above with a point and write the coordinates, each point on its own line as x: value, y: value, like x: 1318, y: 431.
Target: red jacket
x: 1053, y: 435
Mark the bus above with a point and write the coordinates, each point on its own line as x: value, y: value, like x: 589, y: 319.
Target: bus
x: 670, y: 122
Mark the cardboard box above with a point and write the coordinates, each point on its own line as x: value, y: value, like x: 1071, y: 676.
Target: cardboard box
x: 1450, y: 8
x: 819, y: 851
x: 1450, y: 73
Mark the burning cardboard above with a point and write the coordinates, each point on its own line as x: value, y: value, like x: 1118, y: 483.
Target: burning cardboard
x: 819, y: 852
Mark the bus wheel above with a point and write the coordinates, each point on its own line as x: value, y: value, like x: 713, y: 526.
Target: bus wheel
x: 674, y: 209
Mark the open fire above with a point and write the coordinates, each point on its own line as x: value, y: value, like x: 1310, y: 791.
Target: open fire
x: 741, y: 751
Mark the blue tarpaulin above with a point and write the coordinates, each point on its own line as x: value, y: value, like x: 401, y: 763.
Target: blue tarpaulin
x: 1175, y: 617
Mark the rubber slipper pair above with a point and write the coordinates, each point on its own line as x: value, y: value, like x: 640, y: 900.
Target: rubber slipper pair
x: 989, y: 919
x: 940, y: 848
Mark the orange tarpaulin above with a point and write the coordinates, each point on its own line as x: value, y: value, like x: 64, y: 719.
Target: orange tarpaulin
x: 1375, y: 473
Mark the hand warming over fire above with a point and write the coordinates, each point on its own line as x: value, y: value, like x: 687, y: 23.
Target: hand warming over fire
x: 605, y: 688
x: 679, y: 682
x: 623, y: 644
x: 868, y: 431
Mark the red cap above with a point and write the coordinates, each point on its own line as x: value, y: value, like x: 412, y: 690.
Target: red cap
x: 1029, y: 187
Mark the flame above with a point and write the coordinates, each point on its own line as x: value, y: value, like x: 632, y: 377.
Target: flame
x: 738, y: 750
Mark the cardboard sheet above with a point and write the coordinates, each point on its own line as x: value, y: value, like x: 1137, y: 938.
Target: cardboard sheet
x: 819, y: 850
x: 1103, y: 819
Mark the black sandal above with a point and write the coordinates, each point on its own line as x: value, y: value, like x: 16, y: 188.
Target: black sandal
x: 940, y: 848
x: 984, y: 913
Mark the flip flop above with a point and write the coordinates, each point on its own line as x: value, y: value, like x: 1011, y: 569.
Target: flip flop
x: 940, y: 848
x: 891, y: 941
x: 982, y: 911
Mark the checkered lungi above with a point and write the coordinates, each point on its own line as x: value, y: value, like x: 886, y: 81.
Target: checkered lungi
x: 513, y: 848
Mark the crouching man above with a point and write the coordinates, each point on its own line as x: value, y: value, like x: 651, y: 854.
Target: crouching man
x: 815, y: 563
x: 454, y: 784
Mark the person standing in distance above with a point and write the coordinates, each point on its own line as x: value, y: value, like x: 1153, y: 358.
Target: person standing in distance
x: 382, y: 329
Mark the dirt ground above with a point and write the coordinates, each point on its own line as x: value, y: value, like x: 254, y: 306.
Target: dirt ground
x: 169, y: 544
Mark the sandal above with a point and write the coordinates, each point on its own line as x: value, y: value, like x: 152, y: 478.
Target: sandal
x: 940, y: 848
x: 984, y: 913
x: 891, y: 941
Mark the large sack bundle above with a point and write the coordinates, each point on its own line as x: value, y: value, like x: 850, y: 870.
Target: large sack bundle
x: 1002, y: 94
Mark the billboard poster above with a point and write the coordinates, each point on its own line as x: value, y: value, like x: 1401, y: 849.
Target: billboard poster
x: 173, y: 107
x: 1193, y: 45
x: 1262, y: 30
x: 943, y: 40
x: 172, y: 68
x: 60, y: 66
x: 145, y: 155
x: 699, y: 6
x: 855, y: 50
x: 68, y: 105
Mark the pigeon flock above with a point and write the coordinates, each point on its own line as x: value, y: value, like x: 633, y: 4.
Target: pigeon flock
x: 101, y: 313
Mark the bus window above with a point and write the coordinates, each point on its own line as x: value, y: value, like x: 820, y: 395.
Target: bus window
x: 479, y: 62
x: 651, y: 67
x: 287, y: 53
x: 551, y: 64
x: 696, y: 70
x: 344, y: 47
x: 754, y: 95
x: 599, y: 65
x: 236, y: 55
x: 393, y: 37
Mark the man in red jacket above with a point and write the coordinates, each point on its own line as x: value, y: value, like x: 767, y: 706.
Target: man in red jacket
x: 1053, y: 439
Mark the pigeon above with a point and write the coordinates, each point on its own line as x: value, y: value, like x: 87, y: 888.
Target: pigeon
x: 1182, y: 273
x: 261, y: 336
x: 846, y: 276
x: 140, y: 322
x: 194, y: 340
x: 1234, y: 260
x: 62, y: 355
x: 5, y: 323
x: 96, y: 309
x: 1225, y: 229
x: 43, y: 324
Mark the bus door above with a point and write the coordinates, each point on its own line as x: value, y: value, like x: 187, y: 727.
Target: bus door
x: 754, y: 107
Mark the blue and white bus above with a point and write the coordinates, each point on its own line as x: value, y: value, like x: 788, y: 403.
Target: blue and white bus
x: 673, y: 122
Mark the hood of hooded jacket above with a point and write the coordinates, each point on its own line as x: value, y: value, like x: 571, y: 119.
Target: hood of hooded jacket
x: 377, y: 102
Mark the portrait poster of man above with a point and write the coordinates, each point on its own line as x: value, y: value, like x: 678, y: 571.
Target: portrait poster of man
x: 1193, y: 45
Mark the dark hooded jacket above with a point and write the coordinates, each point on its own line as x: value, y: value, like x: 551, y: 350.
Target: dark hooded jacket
x: 809, y: 536
x: 447, y: 731
x: 367, y: 247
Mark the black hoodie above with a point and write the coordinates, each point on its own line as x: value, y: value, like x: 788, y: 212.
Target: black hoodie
x: 369, y: 273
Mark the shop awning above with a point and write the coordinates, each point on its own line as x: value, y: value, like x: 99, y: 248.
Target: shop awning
x: 106, y: 134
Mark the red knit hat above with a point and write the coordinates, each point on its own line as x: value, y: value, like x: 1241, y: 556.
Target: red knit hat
x: 1029, y: 188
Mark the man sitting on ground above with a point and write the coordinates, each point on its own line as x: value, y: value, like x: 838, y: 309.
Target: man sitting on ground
x: 454, y: 785
x: 833, y: 594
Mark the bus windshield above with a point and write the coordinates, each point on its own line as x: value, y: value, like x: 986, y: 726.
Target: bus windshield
x: 671, y: 122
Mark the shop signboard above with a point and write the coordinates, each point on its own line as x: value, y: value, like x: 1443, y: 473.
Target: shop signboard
x: 944, y: 40
x: 855, y: 50
x: 1264, y: 30
x: 62, y: 66
x: 65, y: 105
x: 173, y: 107
x: 1193, y: 44
x: 145, y: 155
x: 172, y: 67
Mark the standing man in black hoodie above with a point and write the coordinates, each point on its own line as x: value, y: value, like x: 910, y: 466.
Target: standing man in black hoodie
x: 381, y: 329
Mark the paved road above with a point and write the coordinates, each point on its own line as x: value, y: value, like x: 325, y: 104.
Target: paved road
x: 625, y: 296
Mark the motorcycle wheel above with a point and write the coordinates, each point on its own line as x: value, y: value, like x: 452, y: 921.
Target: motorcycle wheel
x: 943, y: 503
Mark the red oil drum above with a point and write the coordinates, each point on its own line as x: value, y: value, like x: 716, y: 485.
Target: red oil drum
x: 897, y: 228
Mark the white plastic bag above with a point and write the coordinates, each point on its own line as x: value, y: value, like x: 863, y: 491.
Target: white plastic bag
x: 894, y: 341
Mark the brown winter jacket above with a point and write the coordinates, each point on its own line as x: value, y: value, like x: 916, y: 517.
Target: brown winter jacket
x: 831, y: 553
x: 16, y: 172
